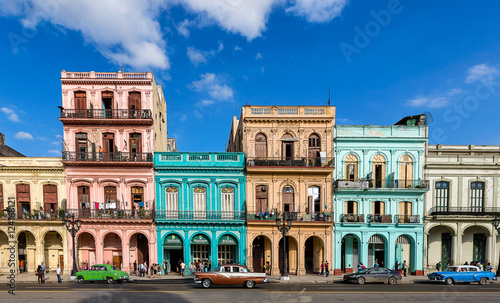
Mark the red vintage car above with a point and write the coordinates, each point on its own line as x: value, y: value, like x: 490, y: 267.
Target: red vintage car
x: 230, y: 275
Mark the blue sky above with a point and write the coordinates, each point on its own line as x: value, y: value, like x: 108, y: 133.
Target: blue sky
x: 383, y: 60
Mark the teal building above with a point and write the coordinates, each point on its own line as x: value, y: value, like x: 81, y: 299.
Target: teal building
x: 200, y: 207
x: 379, y: 195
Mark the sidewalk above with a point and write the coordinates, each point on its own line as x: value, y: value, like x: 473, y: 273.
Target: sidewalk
x: 50, y: 277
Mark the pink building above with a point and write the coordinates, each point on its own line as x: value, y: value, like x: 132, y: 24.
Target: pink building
x: 113, y: 122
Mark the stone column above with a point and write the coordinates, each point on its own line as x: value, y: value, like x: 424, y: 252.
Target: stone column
x: 454, y: 251
x: 363, y: 250
x: 391, y: 252
x: 489, y: 249
x: 99, y: 251
x: 126, y: 255
x: 349, y: 243
x: 275, y: 270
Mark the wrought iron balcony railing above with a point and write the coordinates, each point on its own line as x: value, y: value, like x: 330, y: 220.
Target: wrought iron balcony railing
x: 111, y: 214
x: 107, y: 157
x: 212, y: 215
x: 291, y: 162
x: 106, y: 113
x: 379, y: 218
x: 294, y: 216
x: 464, y: 211
x: 381, y: 184
x: 352, y: 218
x: 36, y: 215
x: 408, y: 219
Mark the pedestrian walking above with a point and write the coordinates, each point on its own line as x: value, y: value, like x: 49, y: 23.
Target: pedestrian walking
x: 405, y: 266
x: 268, y: 267
x: 396, y: 266
x: 322, y: 268
x: 58, y: 272
x: 183, y: 268
x: 165, y: 267
x: 135, y: 267
x: 39, y: 274
x: 327, y: 269
x: 43, y: 271
x: 438, y: 266
x: 376, y: 263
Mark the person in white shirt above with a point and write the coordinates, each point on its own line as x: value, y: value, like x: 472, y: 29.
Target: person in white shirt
x: 58, y: 272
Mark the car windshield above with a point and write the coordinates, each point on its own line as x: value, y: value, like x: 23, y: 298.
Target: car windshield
x: 114, y: 268
x: 452, y: 268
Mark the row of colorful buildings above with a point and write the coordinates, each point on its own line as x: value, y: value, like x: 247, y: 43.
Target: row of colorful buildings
x: 353, y: 193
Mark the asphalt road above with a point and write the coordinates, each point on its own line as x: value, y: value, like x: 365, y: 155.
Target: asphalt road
x: 338, y: 292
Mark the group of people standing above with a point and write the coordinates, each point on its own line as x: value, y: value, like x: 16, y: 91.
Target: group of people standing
x: 40, y: 273
x: 201, y: 266
x: 155, y: 270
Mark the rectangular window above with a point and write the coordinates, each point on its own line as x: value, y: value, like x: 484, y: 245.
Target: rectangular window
x: 50, y: 198
x: 227, y: 203
x: 199, y: 203
x: 172, y: 203
x: 441, y: 197
x: 23, y: 198
x: 477, y: 196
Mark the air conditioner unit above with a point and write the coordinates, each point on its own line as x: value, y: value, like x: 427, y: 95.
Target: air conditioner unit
x: 264, y: 188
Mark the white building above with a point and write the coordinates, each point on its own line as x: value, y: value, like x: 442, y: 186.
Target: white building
x: 463, y: 200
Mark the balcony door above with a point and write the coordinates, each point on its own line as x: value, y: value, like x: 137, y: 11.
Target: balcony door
x: 23, y: 199
x: 351, y: 167
x: 135, y: 146
x: 378, y: 168
x: 227, y: 203
x: 314, y: 150
x: 261, y: 199
x: 107, y: 104
x: 109, y: 146
x: 134, y: 104
x: 80, y: 104
x: 110, y: 197
x: 405, y: 172
x: 405, y: 211
x: 200, y: 203
x: 49, y: 198
x: 288, y: 199
x: 313, y: 199
x: 287, y: 144
x: 261, y: 146
x: 84, y: 197
x: 137, y: 193
x: 81, y: 146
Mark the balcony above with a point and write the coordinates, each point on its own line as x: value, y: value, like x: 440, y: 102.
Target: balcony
x: 392, y: 184
x: 407, y: 219
x: 127, y: 214
x: 36, y: 215
x: 192, y: 159
x: 106, y: 159
x: 352, y: 218
x: 291, y: 162
x: 208, y: 215
x: 464, y: 211
x: 373, y: 218
x: 106, y: 116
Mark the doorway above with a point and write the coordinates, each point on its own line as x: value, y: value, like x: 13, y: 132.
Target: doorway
x: 446, y: 249
x: 107, y: 104
x: 109, y: 146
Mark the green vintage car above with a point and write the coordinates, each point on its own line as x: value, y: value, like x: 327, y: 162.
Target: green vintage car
x: 102, y: 272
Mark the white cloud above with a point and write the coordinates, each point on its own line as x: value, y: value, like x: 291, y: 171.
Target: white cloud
x: 481, y: 72
x: 196, y: 56
x: 259, y: 56
x: 237, y: 48
x: 204, y: 103
x: 197, y: 114
x: 183, y: 118
x: 55, y: 142
x: 213, y: 85
x: 11, y: 115
x: 430, y: 102
x: 317, y: 10
x: 54, y: 151
x: 23, y: 136
x: 126, y: 32
x: 183, y: 27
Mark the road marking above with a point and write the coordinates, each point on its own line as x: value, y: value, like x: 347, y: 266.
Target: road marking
x: 47, y: 287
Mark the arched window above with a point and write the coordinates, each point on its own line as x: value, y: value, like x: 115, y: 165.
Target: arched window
x: 288, y: 199
x: 171, y: 202
x: 261, y: 146
x: 378, y: 171
x: 199, y: 203
x: 405, y: 212
x: 227, y: 203
x: 287, y: 147
x: 378, y: 208
x: 351, y: 167
x: 406, y: 172
x: 314, y: 200
x: 314, y: 150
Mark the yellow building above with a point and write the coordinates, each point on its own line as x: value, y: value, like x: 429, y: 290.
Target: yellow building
x: 290, y: 167
x: 37, y: 185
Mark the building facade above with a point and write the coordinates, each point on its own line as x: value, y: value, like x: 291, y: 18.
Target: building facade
x: 379, y: 196
x: 289, y: 169
x: 463, y: 200
x: 113, y: 123
x: 200, y: 207
x: 38, y: 188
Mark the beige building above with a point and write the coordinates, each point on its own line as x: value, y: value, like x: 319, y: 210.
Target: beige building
x: 463, y: 200
x: 37, y: 185
x: 289, y: 166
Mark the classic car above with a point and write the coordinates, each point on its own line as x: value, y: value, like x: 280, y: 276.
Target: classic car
x: 102, y: 272
x: 462, y: 274
x: 230, y: 275
x: 374, y: 274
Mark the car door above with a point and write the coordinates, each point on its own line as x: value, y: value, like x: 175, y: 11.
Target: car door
x: 371, y: 275
x: 383, y: 275
x: 91, y: 276
x: 225, y: 275
x: 102, y: 273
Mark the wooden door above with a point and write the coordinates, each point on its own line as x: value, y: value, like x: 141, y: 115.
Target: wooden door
x: 109, y: 194
x: 61, y: 262
x: 80, y: 104
x: 23, y: 198
x: 49, y: 197
x: 261, y: 198
x: 135, y: 146
x: 109, y: 146
x: 134, y: 104
x: 117, y: 262
x: 261, y: 146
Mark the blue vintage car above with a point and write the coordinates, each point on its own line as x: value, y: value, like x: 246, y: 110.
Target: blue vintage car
x: 462, y: 274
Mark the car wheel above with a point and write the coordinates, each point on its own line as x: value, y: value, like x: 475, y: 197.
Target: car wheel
x: 249, y: 284
x: 392, y: 280
x: 483, y: 281
x: 448, y: 281
x: 110, y: 280
x: 81, y: 280
x: 361, y: 280
x: 206, y: 283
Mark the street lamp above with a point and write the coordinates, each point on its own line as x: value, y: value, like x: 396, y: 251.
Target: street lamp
x: 284, y: 228
x: 70, y: 225
x: 496, y: 222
